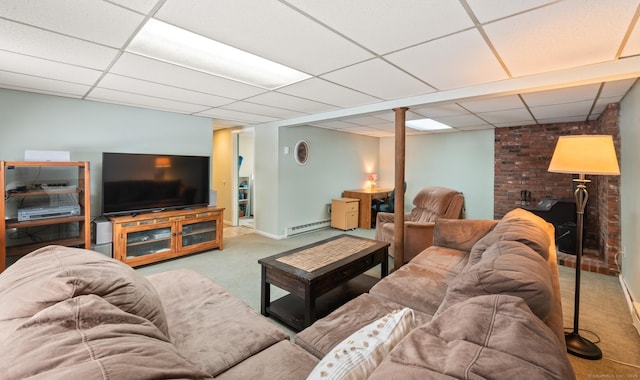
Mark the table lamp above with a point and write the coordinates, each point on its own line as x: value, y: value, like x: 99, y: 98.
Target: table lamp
x: 581, y: 155
x: 373, y: 177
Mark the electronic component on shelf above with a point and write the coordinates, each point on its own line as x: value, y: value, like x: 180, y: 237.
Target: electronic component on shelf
x: 49, y: 211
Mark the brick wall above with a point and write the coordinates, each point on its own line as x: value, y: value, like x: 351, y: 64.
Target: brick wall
x: 522, y: 156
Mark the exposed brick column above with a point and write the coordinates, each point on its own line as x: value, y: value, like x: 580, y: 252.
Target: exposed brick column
x: 522, y: 156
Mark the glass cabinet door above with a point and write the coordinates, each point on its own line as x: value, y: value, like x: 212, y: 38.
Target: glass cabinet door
x: 148, y: 242
x: 198, y: 232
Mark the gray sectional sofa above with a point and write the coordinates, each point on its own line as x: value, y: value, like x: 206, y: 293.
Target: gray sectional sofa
x: 486, y: 303
x: 482, y: 302
x: 68, y: 313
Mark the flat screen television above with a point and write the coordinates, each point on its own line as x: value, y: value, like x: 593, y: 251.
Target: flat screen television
x: 137, y: 182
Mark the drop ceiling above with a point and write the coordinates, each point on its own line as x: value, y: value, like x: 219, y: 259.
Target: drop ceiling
x: 471, y: 64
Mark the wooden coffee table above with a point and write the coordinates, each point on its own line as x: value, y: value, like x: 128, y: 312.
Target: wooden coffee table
x: 320, y: 277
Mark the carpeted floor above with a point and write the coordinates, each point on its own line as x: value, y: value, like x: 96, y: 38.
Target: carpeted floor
x: 603, y: 308
x: 604, y: 318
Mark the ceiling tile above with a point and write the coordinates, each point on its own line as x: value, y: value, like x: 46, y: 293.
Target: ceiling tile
x: 562, y: 110
x: 294, y: 42
x: 602, y: 103
x: 461, y: 121
x: 325, y: 92
x: 380, y: 79
x: 463, y: 59
x: 96, y: 21
x: 235, y: 115
x: 632, y: 46
x: 390, y: 116
x: 336, y: 124
x: 562, y: 95
x: 142, y: 6
x: 136, y: 86
x: 366, y: 120
x: 565, y: 34
x: 487, y: 11
x: 385, y: 25
x: 118, y: 97
x: 493, y: 104
x: 617, y: 88
x: 160, y: 72
x: 260, y: 109
x: 27, y: 40
x: 24, y: 64
x: 276, y: 99
x: 41, y: 85
x: 518, y: 116
x: 440, y: 110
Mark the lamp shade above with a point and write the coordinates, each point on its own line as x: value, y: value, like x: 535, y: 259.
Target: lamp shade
x: 585, y: 154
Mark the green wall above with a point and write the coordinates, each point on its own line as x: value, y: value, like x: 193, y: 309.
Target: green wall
x: 458, y: 160
x: 630, y: 190
x: 86, y: 129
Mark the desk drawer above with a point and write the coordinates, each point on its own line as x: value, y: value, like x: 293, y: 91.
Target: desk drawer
x: 351, y: 206
x: 351, y: 219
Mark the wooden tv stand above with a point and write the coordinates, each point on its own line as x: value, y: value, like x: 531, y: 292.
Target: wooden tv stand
x: 155, y: 236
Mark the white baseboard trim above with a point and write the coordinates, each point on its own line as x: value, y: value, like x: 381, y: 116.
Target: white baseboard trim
x: 634, y: 307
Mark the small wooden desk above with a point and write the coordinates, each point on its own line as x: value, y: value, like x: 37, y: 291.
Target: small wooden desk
x: 365, y: 196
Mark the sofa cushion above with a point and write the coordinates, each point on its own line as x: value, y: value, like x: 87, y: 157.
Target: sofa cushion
x: 460, y: 234
x: 493, y: 336
x: 359, y: 354
x: 86, y: 337
x: 407, y: 285
x: 506, y: 267
x: 326, y: 333
x: 442, y: 259
x: 282, y: 361
x: 53, y: 274
x: 196, y: 306
x: 517, y: 225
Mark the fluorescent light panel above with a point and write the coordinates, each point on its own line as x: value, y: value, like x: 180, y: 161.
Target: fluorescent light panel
x: 168, y: 43
x: 426, y: 125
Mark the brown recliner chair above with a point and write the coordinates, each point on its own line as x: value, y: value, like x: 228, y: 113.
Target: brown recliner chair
x: 430, y: 203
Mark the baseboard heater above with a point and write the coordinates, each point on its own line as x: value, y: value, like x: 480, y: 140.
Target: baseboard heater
x: 308, y: 227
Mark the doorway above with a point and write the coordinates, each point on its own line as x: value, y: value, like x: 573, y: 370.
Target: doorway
x: 244, y: 178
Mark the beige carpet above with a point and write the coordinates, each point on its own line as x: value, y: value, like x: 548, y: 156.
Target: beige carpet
x: 604, y: 318
x: 603, y: 306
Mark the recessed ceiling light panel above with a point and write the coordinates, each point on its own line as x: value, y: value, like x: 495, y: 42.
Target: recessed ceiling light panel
x: 426, y: 125
x: 168, y: 43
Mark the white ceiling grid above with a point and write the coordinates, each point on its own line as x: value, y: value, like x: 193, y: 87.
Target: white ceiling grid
x: 472, y: 64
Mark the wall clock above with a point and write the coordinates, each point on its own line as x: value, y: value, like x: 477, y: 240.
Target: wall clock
x: 301, y: 152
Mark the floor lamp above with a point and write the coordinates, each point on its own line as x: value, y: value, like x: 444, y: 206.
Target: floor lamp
x: 581, y: 155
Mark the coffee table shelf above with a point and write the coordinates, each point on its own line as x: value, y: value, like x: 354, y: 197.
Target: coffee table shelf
x: 290, y: 308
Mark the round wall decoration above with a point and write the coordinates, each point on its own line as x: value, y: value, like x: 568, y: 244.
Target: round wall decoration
x: 301, y: 152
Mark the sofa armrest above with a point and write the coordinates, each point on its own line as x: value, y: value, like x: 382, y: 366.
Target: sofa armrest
x: 417, y: 238
x: 460, y: 234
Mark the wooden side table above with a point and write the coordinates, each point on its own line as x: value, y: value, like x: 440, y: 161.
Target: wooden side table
x: 344, y: 213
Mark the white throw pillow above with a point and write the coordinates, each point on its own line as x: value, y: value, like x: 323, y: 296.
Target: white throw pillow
x: 357, y: 356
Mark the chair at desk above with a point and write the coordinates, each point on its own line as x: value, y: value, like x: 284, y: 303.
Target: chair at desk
x: 383, y: 205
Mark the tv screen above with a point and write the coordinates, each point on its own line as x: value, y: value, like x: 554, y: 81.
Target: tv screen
x: 135, y: 182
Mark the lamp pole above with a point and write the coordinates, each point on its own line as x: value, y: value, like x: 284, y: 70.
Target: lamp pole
x: 576, y: 344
